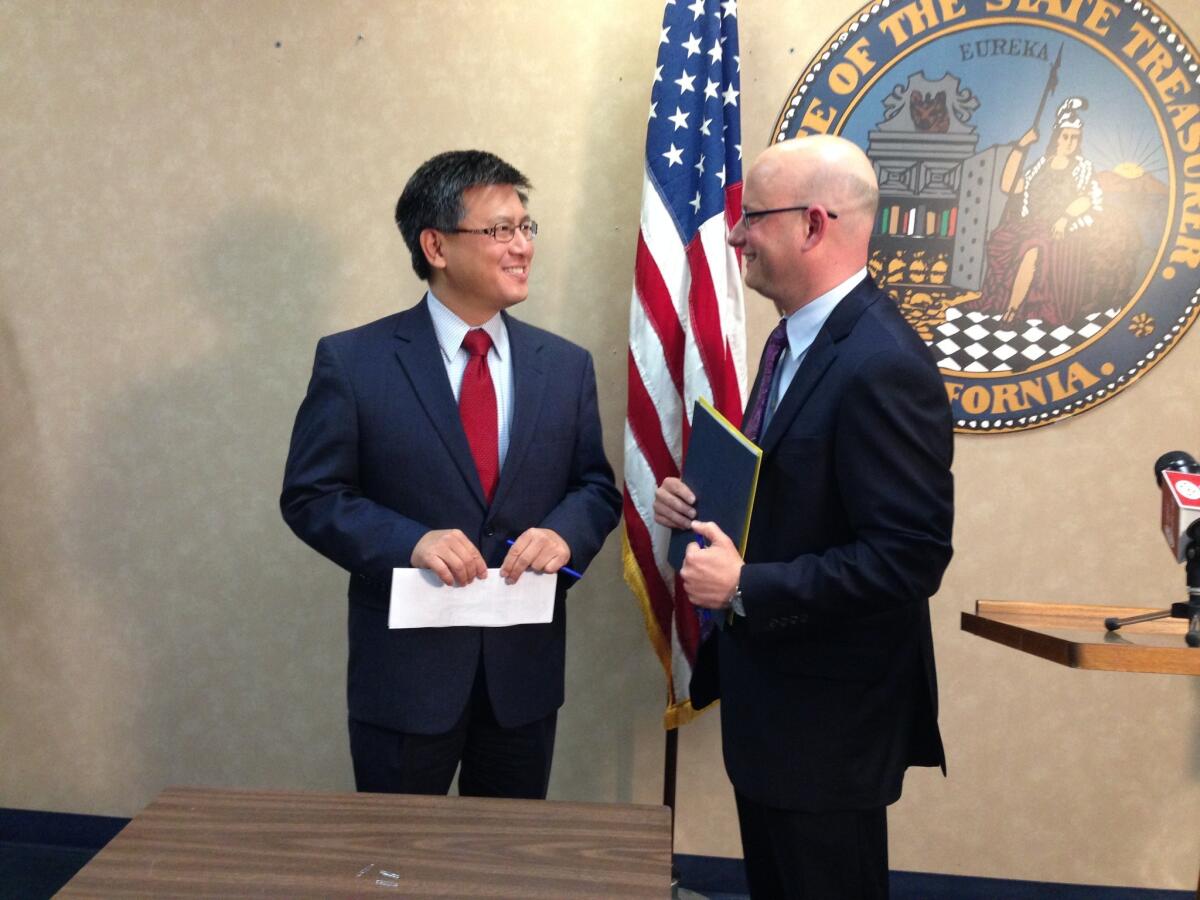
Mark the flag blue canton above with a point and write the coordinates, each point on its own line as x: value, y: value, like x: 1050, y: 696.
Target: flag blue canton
x: 694, y: 137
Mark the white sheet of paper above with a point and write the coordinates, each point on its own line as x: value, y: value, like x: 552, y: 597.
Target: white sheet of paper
x: 420, y: 600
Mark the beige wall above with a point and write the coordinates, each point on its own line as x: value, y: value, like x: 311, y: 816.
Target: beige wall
x: 186, y: 206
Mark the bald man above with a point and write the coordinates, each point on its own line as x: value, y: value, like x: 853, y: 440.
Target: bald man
x: 825, y: 661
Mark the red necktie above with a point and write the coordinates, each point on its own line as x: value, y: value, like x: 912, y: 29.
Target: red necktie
x: 477, y: 407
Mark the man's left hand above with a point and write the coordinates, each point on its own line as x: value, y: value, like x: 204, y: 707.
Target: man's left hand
x: 711, y: 573
x: 539, y: 549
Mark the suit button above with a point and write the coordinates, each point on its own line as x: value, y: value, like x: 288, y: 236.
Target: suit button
x: 489, y: 531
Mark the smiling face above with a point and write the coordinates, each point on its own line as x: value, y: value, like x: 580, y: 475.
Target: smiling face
x: 823, y: 196
x: 473, y: 274
x: 771, y: 247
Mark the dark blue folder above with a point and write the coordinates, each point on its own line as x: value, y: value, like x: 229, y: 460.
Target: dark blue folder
x: 721, y: 468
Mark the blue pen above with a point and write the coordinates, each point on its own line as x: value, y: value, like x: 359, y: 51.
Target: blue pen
x: 566, y: 570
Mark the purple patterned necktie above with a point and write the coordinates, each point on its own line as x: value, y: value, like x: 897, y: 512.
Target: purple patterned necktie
x: 770, y: 359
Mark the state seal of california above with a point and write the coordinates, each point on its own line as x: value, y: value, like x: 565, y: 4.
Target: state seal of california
x: 1039, y: 176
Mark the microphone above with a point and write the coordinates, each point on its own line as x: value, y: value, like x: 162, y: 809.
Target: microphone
x: 1178, y: 477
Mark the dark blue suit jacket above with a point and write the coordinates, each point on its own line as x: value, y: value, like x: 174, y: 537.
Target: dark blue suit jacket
x: 827, y: 685
x: 379, y: 457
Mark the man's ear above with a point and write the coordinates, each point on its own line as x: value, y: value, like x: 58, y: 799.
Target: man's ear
x: 816, y: 224
x: 431, y: 245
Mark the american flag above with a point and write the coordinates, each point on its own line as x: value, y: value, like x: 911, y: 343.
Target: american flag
x: 686, y: 320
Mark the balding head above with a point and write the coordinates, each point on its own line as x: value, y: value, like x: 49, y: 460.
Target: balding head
x: 802, y: 254
x: 830, y: 171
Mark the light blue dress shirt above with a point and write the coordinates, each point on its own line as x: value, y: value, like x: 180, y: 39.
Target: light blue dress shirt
x: 450, y: 331
x: 802, y: 328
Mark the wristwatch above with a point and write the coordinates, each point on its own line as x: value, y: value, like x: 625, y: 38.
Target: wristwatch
x: 736, y: 604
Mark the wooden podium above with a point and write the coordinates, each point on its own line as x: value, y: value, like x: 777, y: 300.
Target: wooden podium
x: 240, y: 843
x: 1074, y: 635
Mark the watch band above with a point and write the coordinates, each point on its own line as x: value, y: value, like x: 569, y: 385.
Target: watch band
x: 737, y: 604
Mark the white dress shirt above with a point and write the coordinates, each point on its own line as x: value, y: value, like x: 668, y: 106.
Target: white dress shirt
x: 450, y: 331
x: 802, y: 328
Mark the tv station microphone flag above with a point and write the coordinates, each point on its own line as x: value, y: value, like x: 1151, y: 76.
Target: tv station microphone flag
x: 687, y: 336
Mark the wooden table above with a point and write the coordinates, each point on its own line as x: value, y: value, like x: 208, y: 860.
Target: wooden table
x: 194, y: 842
x: 1074, y: 635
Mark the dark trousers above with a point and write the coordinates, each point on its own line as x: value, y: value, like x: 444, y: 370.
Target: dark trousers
x: 795, y: 855
x: 496, y: 761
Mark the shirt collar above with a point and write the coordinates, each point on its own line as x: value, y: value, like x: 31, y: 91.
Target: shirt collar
x: 451, y: 330
x: 804, y: 323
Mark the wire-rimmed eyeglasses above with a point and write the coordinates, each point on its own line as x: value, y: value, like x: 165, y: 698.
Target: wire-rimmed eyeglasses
x: 504, y: 231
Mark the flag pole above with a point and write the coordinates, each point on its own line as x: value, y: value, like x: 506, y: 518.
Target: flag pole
x: 670, y: 758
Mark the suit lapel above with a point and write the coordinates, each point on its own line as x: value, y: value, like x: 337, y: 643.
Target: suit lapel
x: 421, y: 358
x: 819, y: 358
x: 529, y: 384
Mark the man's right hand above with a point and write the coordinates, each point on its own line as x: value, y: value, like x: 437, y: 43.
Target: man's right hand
x: 673, y: 504
x: 450, y: 556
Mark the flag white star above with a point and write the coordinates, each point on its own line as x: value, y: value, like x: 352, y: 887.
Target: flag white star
x: 694, y: 203
x: 674, y: 156
x: 704, y: 127
x: 680, y: 118
x: 692, y: 45
x: 739, y: 150
x: 730, y: 96
x: 710, y: 89
x: 729, y: 8
x: 699, y: 167
x: 653, y: 114
x: 738, y: 60
x: 662, y: 38
x: 716, y: 52
x: 720, y: 173
x: 697, y: 9
x: 685, y: 82
x: 658, y: 74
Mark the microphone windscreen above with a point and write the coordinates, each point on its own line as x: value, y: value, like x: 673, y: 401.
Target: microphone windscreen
x: 1176, y: 460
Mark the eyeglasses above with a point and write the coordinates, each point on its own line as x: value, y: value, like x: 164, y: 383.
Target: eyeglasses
x: 753, y: 216
x: 503, y: 231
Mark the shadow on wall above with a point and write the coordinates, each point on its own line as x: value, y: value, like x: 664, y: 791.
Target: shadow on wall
x: 217, y: 645
x: 34, y: 662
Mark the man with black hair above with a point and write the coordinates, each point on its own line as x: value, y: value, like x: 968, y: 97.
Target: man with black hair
x: 436, y: 438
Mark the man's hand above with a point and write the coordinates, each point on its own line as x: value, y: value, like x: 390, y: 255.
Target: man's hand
x: 539, y: 549
x: 450, y: 556
x: 710, y: 574
x: 673, y: 504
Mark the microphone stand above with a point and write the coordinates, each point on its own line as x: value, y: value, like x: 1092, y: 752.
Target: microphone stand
x: 1188, y: 609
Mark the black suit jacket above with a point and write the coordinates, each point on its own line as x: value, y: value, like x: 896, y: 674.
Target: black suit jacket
x: 827, y: 685
x: 379, y: 457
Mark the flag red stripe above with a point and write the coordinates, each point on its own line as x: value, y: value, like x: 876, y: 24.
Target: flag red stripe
x: 660, y: 311
x: 687, y: 622
x: 706, y: 325
x: 733, y: 388
x: 639, y: 542
x: 647, y: 428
